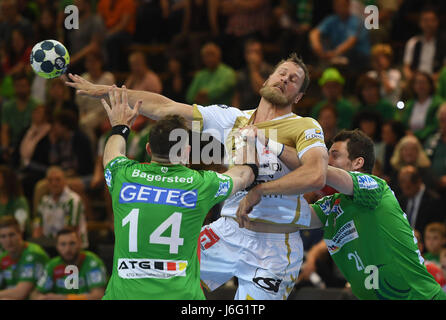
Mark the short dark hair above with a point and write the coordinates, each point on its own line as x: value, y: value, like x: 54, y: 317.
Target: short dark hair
x: 298, y: 61
x: 429, y: 79
x: 363, y: 82
x: 9, y: 221
x: 358, y: 145
x: 66, y: 230
x: 160, y: 132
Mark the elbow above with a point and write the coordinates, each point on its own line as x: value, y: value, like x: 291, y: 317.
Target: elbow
x: 319, y: 181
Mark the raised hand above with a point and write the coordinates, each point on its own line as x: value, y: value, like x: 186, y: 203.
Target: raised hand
x: 120, y: 113
x: 86, y: 88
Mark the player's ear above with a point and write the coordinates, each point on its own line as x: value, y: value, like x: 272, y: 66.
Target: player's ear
x: 149, y: 151
x: 298, y: 97
x: 357, y: 163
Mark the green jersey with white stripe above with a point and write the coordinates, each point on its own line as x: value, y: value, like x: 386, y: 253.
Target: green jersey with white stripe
x: 158, y: 214
x: 372, y: 243
x: 90, y: 274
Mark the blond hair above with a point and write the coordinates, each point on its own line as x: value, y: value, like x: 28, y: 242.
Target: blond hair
x: 397, y: 162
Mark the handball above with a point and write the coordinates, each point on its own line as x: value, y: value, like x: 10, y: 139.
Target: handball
x: 49, y: 59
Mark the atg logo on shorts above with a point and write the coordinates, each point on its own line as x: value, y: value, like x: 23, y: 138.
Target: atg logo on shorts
x: 133, y: 192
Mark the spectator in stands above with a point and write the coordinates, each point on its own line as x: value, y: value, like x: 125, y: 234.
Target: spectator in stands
x: 434, y: 240
x: 391, y: 133
x: 10, y: 20
x: 409, y: 151
x: 16, y: 115
x: 22, y: 263
x: 59, y: 208
x: 46, y: 24
x: 389, y: 78
x: 58, y: 98
x: 367, y: 91
x: 425, y: 52
x: 251, y: 78
x: 420, y: 203
x: 12, y: 201
x: 436, y: 150
x: 199, y: 26
x: 332, y: 84
x: 92, y: 274
x: 91, y: 113
x: 17, y: 53
x: 141, y: 77
x: 328, y: 119
x: 294, y: 21
x: 215, y: 83
x: 244, y: 19
x: 119, y: 18
x: 419, y: 113
x: 342, y: 35
x: 370, y: 123
x: 86, y: 39
x: 35, y: 149
x: 70, y: 149
x: 174, y: 83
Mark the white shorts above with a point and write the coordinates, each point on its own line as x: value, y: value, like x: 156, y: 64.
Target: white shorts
x: 266, y: 264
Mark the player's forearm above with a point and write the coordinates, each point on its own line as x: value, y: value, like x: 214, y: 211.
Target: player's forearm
x: 346, y: 46
x: 340, y: 180
x: 115, y: 147
x: 304, y: 179
x: 242, y: 177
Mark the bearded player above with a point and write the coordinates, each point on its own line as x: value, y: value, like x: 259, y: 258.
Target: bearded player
x: 266, y: 255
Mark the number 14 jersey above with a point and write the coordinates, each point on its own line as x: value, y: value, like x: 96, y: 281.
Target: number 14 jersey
x: 158, y: 214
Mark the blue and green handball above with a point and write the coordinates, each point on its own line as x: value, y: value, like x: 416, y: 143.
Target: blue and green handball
x: 49, y: 59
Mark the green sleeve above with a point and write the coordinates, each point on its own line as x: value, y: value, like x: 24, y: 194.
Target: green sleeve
x: 323, y: 207
x: 96, y: 274
x: 217, y: 187
x: 113, y: 167
x: 224, y: 85
x: 368, y: 190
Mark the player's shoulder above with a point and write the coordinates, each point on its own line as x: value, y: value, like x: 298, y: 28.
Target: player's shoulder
x: 92, y: 259
x: 366, y: 180
x: 54, y: 263
x: 35, y: 250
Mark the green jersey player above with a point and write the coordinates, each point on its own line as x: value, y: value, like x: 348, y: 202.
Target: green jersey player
x: 159, y: 209
x: 21, y: 264
x: 75, y: 274
x: 366, y: 232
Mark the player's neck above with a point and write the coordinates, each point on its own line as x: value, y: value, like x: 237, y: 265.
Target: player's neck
x: 267, y: 111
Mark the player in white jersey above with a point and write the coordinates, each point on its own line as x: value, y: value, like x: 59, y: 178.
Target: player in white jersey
x: 267, y: 254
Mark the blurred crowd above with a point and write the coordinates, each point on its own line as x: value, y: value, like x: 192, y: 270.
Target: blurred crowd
x: 390, y: 82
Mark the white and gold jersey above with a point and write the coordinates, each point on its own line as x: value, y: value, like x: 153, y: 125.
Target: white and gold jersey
x: 292, y: 130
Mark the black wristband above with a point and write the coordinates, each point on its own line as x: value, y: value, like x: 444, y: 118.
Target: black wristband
x: 254, y: 168
x: 121, y: 130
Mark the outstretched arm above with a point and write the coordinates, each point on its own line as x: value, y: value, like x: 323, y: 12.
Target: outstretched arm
x: 154, y: 106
